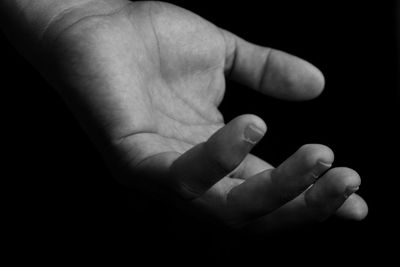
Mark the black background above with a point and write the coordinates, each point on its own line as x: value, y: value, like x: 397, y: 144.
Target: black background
x: 62, y: 201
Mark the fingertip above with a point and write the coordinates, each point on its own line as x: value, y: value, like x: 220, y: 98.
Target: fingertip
x: 361, y: 211
x: 316, y: 153
x: 321, y: 80
x: 296, y: 78
x: 250, y: 127
x: 316, y: 82
x: 311, y: 81
x: 343, y: 180
x: 259, y: 123
x: 250, y: 119
x: 354, y: 208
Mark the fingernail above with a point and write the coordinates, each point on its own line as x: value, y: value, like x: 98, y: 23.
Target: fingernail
x: 350, y: 190
x: 253, y: 134
x: 320, y: 168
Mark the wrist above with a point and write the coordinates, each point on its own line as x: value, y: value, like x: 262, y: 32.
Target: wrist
x: 30, y: 23
x: 34, y: 15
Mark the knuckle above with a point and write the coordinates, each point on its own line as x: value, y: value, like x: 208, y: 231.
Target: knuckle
x: 187, y: 192
x: 318, y: 210
x: 221, y: 162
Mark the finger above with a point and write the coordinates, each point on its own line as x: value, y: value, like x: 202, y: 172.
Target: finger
x: 296, y: 213
x: 270, y: 71
x: 205, y: 164
x: 250, y: 166
x: 331, y: 194
x: 273, y: 188
x: 354, y: 208
x: 331, y: 191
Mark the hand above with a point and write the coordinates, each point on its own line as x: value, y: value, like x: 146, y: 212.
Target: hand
x: 146, y: 80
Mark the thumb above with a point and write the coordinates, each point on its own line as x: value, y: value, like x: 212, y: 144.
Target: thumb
x: 201, y: 167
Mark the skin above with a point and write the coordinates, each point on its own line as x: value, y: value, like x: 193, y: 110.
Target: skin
x: 145, y: 80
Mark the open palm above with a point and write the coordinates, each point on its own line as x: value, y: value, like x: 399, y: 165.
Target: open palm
x: 146, y: 80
